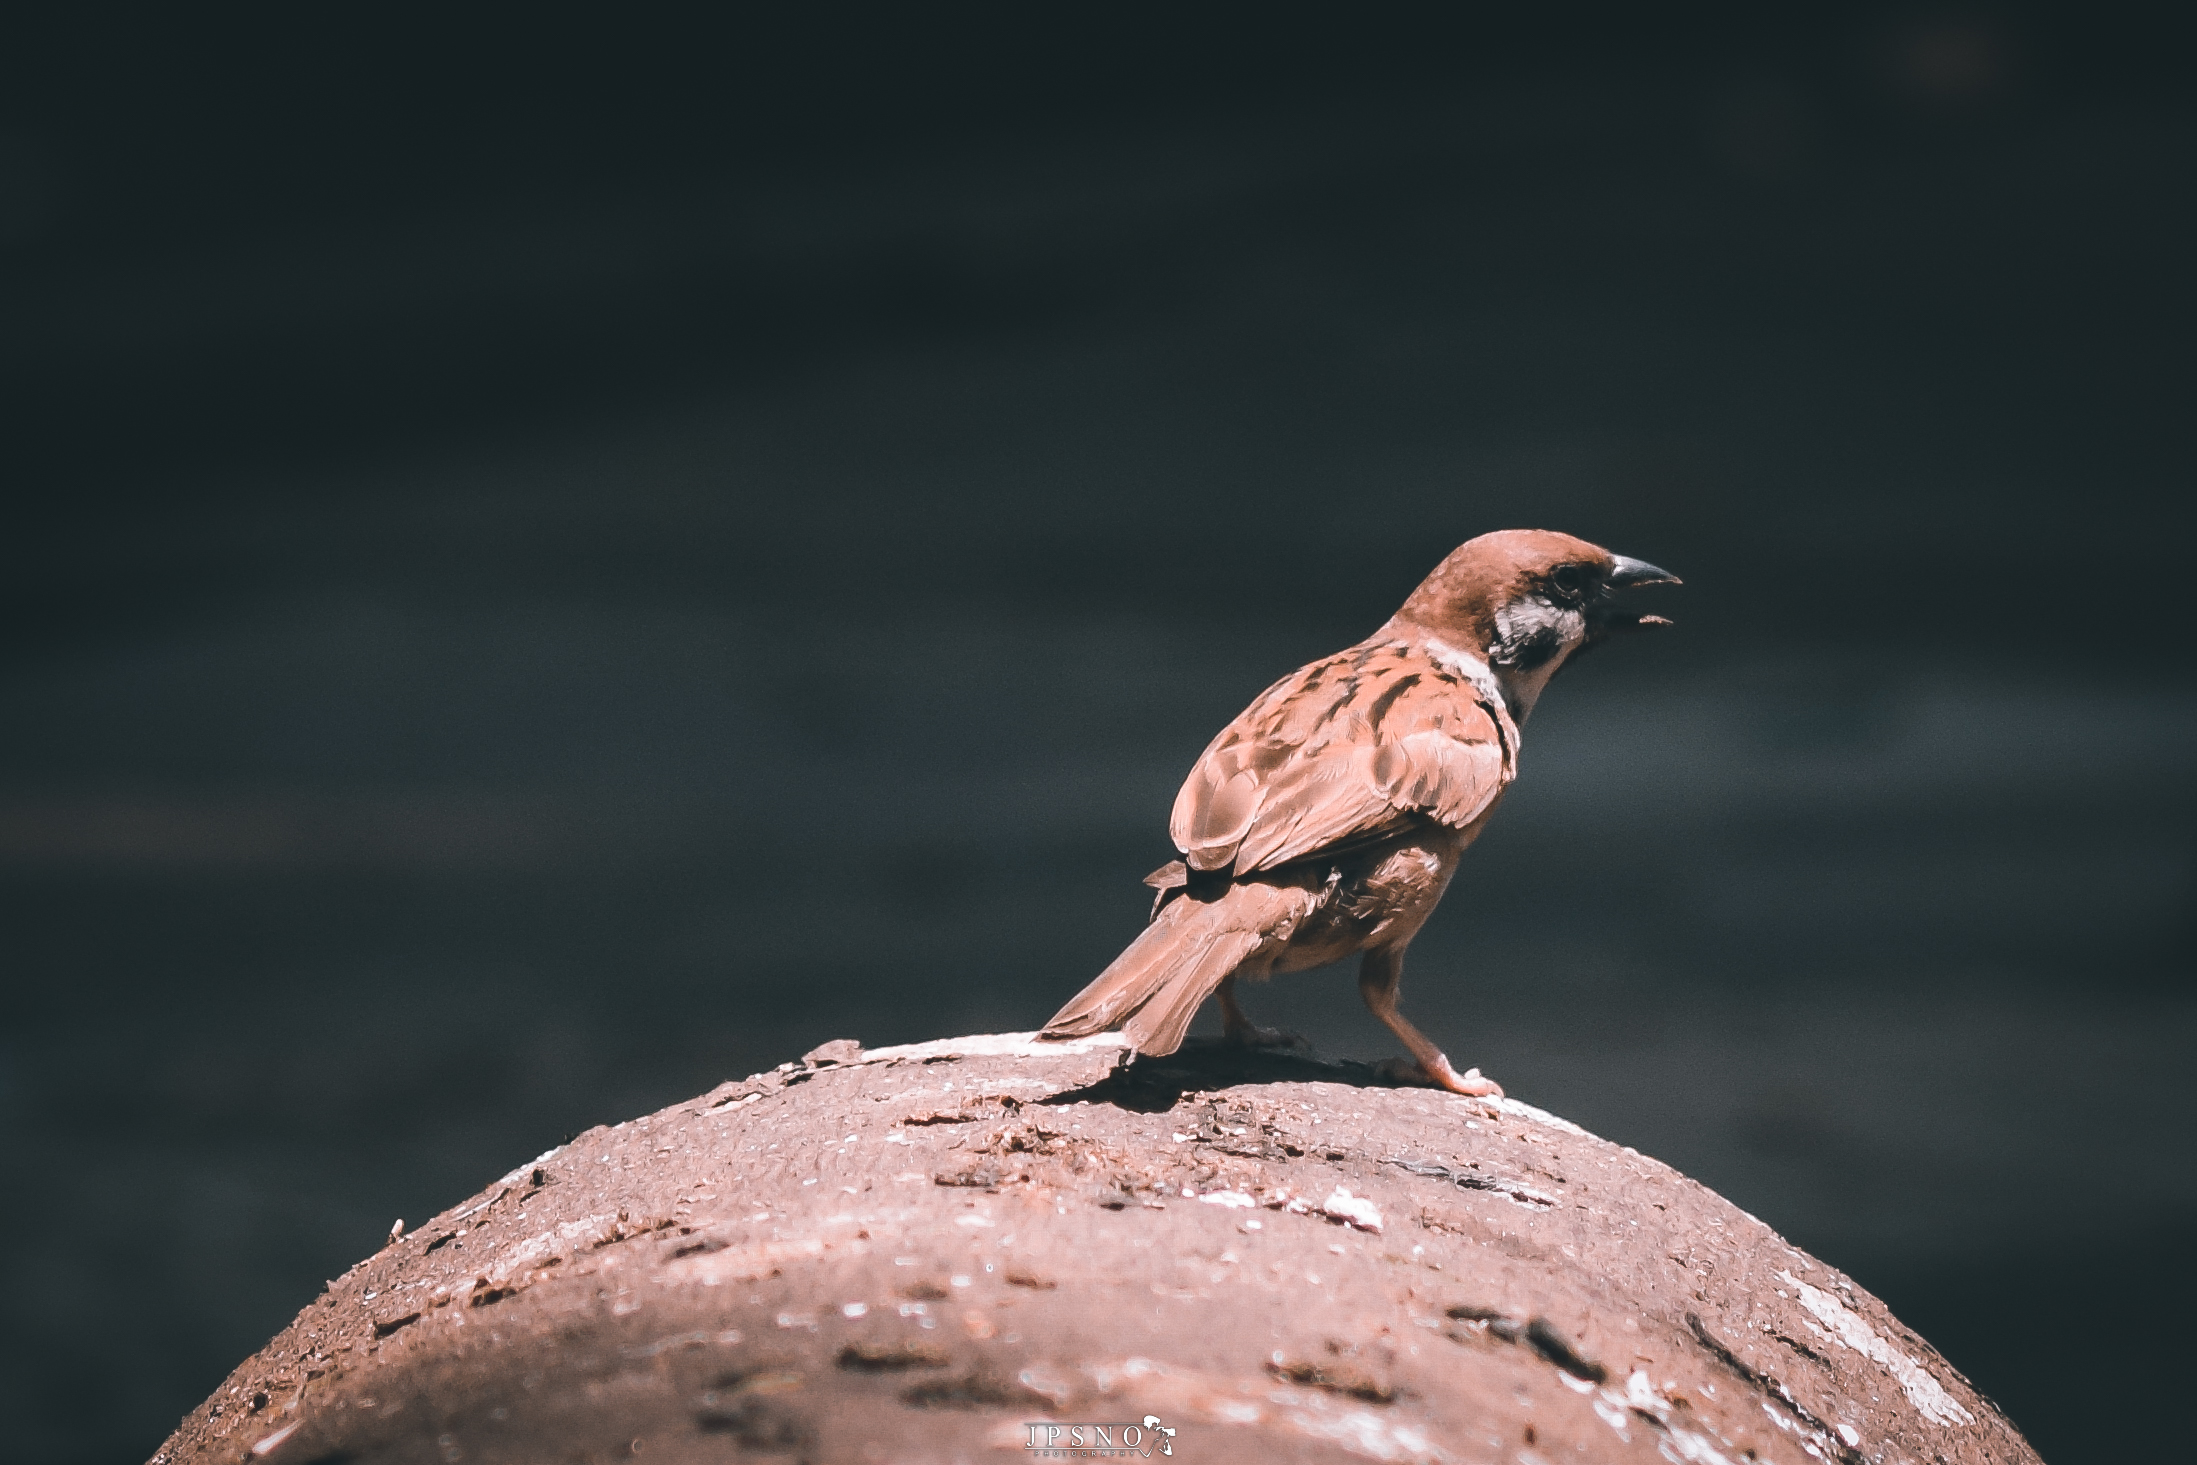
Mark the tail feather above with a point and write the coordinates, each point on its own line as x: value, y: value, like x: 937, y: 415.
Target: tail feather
x: 1160, y: 1024
x: 1154, y: 988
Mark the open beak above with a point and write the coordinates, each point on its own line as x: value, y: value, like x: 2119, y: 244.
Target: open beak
x: 1626, y: 572
x: 1608, y: 618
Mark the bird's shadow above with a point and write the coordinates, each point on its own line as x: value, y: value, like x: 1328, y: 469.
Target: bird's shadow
x: 1155, y: 1085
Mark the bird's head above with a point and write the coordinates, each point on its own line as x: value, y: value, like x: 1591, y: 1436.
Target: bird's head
x: 1527, y: 600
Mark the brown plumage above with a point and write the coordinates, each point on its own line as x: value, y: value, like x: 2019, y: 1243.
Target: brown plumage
x: 1329, y: 816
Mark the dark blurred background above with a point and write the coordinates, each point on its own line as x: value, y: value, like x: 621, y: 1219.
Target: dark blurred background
x: 553, y: 561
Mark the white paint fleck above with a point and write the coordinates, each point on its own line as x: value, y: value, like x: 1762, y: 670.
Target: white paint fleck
x: 528, y: 1168
x: 1848, y: 1330
x: 266, y: 1446
x: 995, y: 1045
x: 1356, y: 1210
x: 1678, y: 1443
x: 1538, y: 1116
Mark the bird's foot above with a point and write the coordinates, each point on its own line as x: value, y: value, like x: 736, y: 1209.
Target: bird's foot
x: 1250, y: 1035
x: 1471, y: 1083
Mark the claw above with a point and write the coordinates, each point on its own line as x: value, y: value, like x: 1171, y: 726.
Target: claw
x: 1474, y: 1084
x: 1471, y: 1083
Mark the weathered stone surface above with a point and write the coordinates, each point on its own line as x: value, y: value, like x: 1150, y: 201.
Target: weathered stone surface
x: 961, y: 1249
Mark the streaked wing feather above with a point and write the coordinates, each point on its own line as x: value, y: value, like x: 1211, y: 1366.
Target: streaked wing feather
x: 1347, y: 749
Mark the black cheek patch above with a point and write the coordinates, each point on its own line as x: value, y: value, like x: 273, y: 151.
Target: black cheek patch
x: 1535, y: 649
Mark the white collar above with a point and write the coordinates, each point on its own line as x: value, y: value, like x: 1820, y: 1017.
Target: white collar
x: 1484, y: 681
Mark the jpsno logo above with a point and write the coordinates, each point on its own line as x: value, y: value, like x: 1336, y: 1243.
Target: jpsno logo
x: 1076, y: 1441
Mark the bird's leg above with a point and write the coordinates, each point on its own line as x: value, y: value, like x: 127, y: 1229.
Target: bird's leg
x: 1237, y: 1028
x: 1380, y: 975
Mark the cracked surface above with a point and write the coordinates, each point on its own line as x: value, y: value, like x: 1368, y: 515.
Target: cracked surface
x: 918, y: 1253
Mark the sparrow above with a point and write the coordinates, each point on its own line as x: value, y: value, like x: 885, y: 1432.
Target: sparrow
x: 1328, y: 817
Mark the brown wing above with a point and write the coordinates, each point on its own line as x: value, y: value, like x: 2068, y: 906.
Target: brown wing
x: 1347, y: 749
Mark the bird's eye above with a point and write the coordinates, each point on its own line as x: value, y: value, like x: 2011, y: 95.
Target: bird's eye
x: 1568, y: 579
